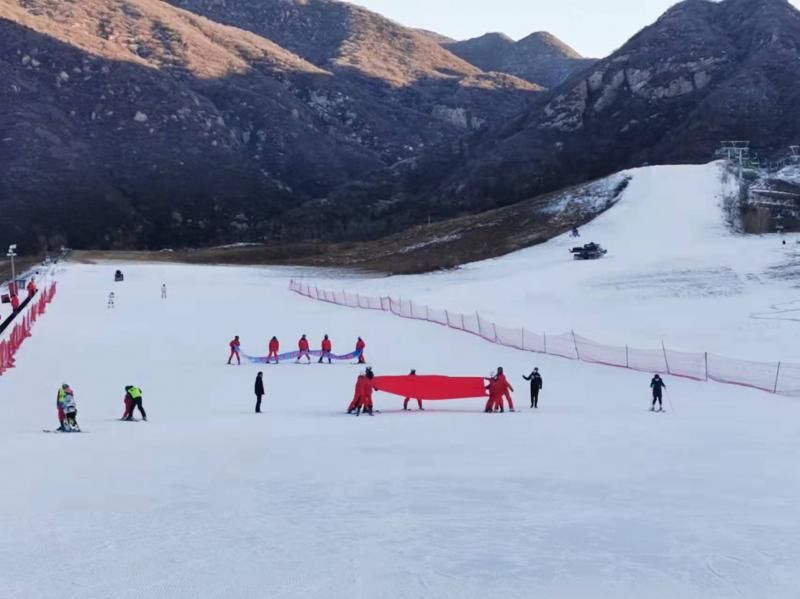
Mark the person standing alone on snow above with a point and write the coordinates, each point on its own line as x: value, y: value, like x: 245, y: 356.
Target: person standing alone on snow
x: 536, y: 385
x: 259, y: 389
x: 658, y: 386
x: 407, y: 399
x: 111, y: 300
x: 135, y: 395
x: 303, y: 349
x: 327, y: 348
x: 163, y: 291
x: 235, y: 345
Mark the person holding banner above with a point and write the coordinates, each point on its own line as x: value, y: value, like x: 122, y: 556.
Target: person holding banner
x: 506, y: 389
x: 327, y: 348
x: 303, y: 349
x: 360, y: 345
x: 495, y: 400
x: 407, y: 399
x: 235, y: 346
x: 274, y: 347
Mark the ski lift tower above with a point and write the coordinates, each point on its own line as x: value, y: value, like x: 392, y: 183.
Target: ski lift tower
x: 737, y: 152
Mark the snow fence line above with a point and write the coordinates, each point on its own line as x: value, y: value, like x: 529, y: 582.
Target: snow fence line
x: 775, y: 377
x: 22, y: 328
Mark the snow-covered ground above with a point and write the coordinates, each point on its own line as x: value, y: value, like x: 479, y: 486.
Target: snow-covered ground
x: 590, y: 496
x: 674, y: 271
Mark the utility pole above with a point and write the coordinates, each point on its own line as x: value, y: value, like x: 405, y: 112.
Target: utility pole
x: 12, y: 253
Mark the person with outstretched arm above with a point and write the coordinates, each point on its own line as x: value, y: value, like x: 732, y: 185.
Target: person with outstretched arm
x: 657, y: 385
x: 259, y: 389
x: 407, y: 399
x: 536, y: 385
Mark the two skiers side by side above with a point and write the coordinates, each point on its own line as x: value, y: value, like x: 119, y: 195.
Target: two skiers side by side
x: 362, y: 397
x: 498, y: 387
x: 133, y: 400
x: 67, y: 410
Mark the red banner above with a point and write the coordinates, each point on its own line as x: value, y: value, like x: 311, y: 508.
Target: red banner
x: 431, y: 387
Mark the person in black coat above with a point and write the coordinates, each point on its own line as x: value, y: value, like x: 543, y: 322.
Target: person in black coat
x: 536, y: 385
x: 259, y: 389
x: 657, y: 385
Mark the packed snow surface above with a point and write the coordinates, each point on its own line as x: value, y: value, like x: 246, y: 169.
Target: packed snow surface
x: 674, y: 271
x: 590, y: 496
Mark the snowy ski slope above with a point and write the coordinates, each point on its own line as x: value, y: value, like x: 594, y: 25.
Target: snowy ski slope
x: 591, y: 496
x: 674, y: 271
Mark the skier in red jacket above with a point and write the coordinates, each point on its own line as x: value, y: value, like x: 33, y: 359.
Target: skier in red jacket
x: 274, y: 346
x: 495, y: 395
x: 235, y: 344
x: 327, y: 348
x: 358, y: 400
x: 505, y: 388
x: 360, y: 345
x: 302, y: 347
x: 362, y: 399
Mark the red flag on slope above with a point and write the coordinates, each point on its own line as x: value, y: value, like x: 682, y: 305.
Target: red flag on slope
x: 431, y: 386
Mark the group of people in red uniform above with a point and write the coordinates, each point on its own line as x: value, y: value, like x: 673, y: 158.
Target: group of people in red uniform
x: 499, y: 388
x: 362, y: 398
x: 303, y: 350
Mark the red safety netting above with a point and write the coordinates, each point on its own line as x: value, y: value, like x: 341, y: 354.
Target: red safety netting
x: 769, y: 376
x: 23, y: 324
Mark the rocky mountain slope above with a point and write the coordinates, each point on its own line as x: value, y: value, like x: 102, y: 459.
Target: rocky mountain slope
x: 541, y: 57
x: 137, y: 123
x: 704, y: 72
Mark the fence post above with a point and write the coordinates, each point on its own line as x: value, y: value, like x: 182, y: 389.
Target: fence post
x: 706, y: 366
x: 463, y: 326
x: 575, y: 341
x: 427, y: 312
x: 666, y: 362
x: 627, y: 358
x: 544, y: 335
x: 494, y: 326
x: 777, y: 376
x: 523, y: 338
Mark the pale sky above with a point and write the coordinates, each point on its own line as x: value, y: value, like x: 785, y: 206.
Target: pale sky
x: 593, y: 27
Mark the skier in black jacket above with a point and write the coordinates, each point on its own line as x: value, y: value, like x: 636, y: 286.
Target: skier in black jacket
x: 259, y: 389
x: 658, y: 386
x: 536, y: 385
